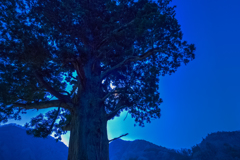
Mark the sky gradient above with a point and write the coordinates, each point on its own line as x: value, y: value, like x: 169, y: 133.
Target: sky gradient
x: 203, y: 96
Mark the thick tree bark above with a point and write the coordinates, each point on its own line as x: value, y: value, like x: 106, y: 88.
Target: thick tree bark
x: 88, y: 132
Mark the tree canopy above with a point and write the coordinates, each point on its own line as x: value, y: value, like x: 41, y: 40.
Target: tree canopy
x: 128, y: 44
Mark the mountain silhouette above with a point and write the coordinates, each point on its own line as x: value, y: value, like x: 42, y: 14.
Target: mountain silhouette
x: 15, y: 144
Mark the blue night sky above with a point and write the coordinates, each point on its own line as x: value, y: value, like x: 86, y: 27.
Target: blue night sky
x: 203, y: 96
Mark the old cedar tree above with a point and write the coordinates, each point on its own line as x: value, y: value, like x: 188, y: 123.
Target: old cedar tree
x: 124, y: 42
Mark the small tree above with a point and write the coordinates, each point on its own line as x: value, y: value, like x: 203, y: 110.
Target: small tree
x: 124, y: 43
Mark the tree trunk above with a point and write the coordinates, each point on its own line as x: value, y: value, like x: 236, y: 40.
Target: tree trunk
x: 88, y: 134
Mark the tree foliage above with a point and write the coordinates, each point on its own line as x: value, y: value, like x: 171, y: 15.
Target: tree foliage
x: 124, y: 43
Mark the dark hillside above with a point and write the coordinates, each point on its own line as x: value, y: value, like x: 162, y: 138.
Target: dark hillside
x: 15, y: 144
x: 219, y: 146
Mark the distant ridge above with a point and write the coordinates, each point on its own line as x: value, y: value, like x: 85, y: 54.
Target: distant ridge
x: 12, y: 124
x: 141, y: 150
x: 216, y: 146
x: 22, y: 127
x: 15, y: 144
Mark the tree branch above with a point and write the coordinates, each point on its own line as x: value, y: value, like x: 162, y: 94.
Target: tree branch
x: 106, y: 96
x: 114, y: 92
x: 78, y: 67
x: 110, y: 70
x: 57, y: 91
x: 118, y: 137
x: 145, y: 55
x: 43, y: 105
x: 67, y: 127
x: 126, y: 116
x: 113, y: 113
x: 54, y: 120
x: 113, y: 32
x: 130, y: 59
x: 65, y: 92
x: 51, y: 90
